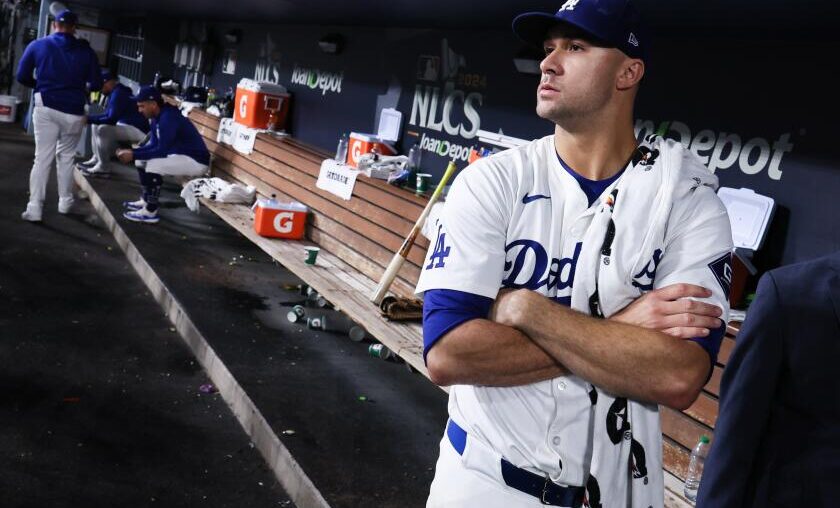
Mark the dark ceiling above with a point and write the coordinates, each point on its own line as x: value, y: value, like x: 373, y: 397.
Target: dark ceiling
x: 675, y: 16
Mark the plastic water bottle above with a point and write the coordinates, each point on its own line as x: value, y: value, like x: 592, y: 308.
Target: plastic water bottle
x: 695, y: 468
x: 211, y: 97
x: 341, y: 151
x: 414, y: 157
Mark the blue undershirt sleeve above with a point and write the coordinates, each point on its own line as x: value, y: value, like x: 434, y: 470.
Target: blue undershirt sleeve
x: 711, y: 343
x: 445, y: 309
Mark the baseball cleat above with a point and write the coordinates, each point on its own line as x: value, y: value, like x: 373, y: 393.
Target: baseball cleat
x: 142, y: 215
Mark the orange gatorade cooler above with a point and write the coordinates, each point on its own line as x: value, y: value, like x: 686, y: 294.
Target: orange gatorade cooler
x: 279, y: 220
x: 361, y: 144
x: 390, y: 122
x: 255, y: 101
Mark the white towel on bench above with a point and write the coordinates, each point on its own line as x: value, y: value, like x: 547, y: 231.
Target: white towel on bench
x: 217, y: 190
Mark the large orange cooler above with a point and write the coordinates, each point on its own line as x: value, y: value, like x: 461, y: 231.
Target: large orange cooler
x: 280, y: 220
x: 255, y: 100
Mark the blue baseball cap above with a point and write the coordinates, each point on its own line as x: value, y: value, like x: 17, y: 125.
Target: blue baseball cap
x: 147, y: 93
x: 616, y: 23
x: 106, y: 75
x: 67, y: 16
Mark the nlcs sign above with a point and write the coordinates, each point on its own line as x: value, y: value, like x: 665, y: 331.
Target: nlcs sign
x: 433, y: 113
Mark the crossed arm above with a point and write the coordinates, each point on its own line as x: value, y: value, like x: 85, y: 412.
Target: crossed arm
x: 639, y: 353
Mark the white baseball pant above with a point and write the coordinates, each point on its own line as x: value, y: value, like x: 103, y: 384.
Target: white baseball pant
x: 473, y: 480
x: 174, y: 165
x: 56, y: 137
x: 104, y: 139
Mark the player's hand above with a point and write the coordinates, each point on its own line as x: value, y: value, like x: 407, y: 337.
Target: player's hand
x: 125, y: 156
x: 670, y: 311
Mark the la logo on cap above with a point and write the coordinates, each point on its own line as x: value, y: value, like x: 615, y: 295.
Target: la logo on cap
x: 633, y: 40
x: 569, y: 5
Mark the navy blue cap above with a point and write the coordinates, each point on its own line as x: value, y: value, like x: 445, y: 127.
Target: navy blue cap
x: 616, y: 23
x: 67, y: 16
x: 147, y: 93
x: 106, y: 75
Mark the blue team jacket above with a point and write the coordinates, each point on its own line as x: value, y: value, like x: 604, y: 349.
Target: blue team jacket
x: 172, y: 133
x: 61, y: 68
x: 121, y: 109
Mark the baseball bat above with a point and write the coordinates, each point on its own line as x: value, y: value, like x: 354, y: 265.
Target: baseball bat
x: 401, y: 255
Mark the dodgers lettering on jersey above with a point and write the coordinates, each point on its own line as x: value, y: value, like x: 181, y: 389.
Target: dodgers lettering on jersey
x: 527, y: 266
x: 558, y: 275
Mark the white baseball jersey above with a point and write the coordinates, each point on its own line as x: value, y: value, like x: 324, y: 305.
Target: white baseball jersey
x: 517, y: 219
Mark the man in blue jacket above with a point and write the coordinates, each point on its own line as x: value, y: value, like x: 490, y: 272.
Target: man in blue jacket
x: 777, y: 438
x: 61, y: 68
x: 121, y: 121
x: 175, y: 148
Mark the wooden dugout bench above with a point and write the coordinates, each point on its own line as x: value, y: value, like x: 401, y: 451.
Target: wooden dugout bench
x: 358, y: 238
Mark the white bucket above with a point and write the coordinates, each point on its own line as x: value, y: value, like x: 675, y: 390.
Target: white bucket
x: 8, y: 108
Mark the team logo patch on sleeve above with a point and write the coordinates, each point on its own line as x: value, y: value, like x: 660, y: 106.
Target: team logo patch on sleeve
x: 722, y: 268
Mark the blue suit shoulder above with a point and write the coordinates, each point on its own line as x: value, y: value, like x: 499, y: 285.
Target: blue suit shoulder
x: 806, y: 276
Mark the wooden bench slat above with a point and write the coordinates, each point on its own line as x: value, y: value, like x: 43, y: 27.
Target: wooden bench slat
x: 349, y: 245
x: 725, y: 350
x: 386, y: 239
x: 317, y: 156
x: 704, y: 410
x: 368, y: 201
x: 682, y: 430
x: 713, y: 386
x: 400, y: 223
x: 675, y: 458
x: 288, y: 150
x: 373, y: 265
x: 386, y: 228
x: 367, y: 191
x: 403, y: 210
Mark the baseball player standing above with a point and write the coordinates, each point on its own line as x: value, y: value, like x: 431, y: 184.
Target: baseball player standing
x: 62, y: 69
x: 572, y: 285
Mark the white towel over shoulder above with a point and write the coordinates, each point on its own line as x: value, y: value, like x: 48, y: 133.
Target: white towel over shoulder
x: 644, y: 198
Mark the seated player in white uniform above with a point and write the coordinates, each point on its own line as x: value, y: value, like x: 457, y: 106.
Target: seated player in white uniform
x: 573, y: 285
x: 121, y: 122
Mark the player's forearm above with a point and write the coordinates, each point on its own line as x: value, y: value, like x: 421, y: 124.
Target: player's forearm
x: 480, y: 352
x: 622, y: 359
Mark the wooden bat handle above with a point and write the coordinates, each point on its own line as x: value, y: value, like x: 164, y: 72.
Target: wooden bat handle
x: 399, y: 258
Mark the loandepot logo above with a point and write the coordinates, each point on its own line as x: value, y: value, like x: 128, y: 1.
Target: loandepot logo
x: 317, y: 79
x: 721, y: 150
x: 444, y: 148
